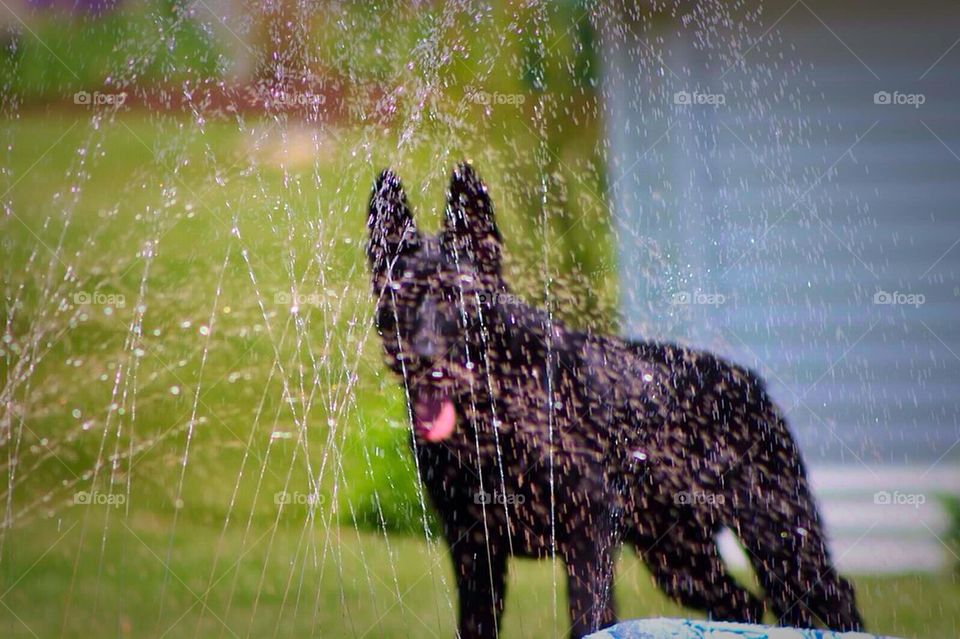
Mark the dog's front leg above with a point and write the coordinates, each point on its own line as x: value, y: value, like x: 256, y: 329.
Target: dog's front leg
x: 590, y: 587
x: 480, y: 569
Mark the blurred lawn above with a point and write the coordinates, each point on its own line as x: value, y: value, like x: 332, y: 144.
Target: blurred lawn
x: 298, y: 578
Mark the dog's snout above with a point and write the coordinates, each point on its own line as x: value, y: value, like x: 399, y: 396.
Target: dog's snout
x: 424, y: 345
x: 426, y: 336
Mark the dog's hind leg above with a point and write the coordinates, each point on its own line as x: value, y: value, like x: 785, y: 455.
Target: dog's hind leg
x: 776, y: 518
x: 790, y: 557
x: 686, y: 564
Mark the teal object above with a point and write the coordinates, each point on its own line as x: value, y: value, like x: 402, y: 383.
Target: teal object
x: 663, y: 628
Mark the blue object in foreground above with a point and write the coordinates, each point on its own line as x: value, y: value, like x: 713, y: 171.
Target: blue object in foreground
x: 662, y: 628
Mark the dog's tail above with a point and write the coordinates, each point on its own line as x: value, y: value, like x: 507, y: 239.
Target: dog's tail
x: 780, y: 527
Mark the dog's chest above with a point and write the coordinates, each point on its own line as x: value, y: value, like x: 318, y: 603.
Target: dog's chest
x: 532, y: 486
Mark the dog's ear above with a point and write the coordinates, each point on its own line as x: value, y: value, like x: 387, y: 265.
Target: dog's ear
x: 391, y: 227
x: 470, y: 230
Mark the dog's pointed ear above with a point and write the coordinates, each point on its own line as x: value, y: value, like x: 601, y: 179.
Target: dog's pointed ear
x: 470, y: 230
x: 391, y: 227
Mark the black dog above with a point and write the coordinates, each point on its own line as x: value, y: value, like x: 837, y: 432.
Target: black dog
x: 537, y: 440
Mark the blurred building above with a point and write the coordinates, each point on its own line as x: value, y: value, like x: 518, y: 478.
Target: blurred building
x: 785, y: 190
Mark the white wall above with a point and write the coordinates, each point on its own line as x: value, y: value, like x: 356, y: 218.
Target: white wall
x: 787, y: 209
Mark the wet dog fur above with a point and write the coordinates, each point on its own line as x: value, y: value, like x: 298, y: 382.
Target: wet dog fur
x: 537, y: 440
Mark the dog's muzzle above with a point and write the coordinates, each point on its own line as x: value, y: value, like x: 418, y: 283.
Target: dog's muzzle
x: 434, y: 416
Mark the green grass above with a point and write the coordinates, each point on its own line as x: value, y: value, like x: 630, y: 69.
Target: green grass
x: 288, y: 577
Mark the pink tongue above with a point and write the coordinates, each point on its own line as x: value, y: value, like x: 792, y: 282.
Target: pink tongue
x: 434, y: 418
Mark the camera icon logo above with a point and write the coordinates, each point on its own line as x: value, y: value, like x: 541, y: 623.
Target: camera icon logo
x: 681, y: 298
x: 682, y: 97
x: 482, y: 497
x: 682, y: 498
x: 82, y: 97
x: 82, y: 297
x: 882, y: 498
x: 882, y: 97
x: 882, y: 297
x: 481, y: 97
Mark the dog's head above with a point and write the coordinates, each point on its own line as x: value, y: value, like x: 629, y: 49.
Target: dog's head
x: 435, y: 295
